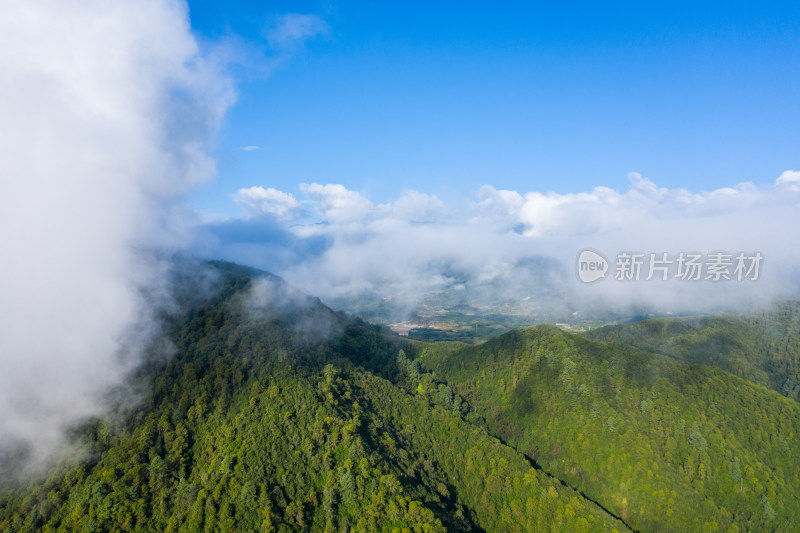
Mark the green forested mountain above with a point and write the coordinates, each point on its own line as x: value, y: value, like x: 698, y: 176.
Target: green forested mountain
x: 276, y: 414
x: 664, y: 444
x: 762, y: 347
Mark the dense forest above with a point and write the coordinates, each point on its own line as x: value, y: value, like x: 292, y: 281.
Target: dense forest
x: 759, y: 346
x: 276, y: 414
x: 665, y: 444
x: 271, y: 412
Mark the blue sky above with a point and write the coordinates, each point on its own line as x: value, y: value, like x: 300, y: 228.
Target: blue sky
x: 444, y: 97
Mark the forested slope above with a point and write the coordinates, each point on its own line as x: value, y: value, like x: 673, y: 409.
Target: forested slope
x: 666, y: 445
x: 762, y: 347
x: 276, y: 414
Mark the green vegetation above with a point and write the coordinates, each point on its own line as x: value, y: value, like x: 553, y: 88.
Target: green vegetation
x: 664, y: 444
x: 275, y: 413
x: 289, y: 417
x: 762, y: 347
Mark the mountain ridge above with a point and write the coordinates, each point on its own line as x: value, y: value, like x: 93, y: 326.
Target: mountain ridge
x: 256, y: 423
x: 276, y: 413
x: 637, y: 431
x: 760, y: 346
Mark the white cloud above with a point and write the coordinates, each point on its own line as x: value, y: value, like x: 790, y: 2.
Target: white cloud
x: 417, y: 243
x: 261, y: 201
x: 501, y: 202
x: 603, y: 209
x: 250, y: 148
x: 336, y: 203
x: 108, y: 110
x: 789, y: 179
x: 291, y: 31
x: 414, y: 206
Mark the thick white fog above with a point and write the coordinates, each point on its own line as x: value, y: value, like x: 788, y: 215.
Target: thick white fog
x: 108, y: 109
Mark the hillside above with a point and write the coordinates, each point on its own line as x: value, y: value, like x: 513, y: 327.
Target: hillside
x: 762, y: 347
x: 271, y: 412
x: 277, y: 414
x: 664, y: 444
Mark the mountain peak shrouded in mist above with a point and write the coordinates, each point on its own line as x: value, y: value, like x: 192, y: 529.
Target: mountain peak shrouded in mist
x: 338, y: 441
x: 273, y: 411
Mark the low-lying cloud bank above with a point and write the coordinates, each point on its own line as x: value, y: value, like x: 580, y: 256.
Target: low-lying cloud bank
x: 336, y: 243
